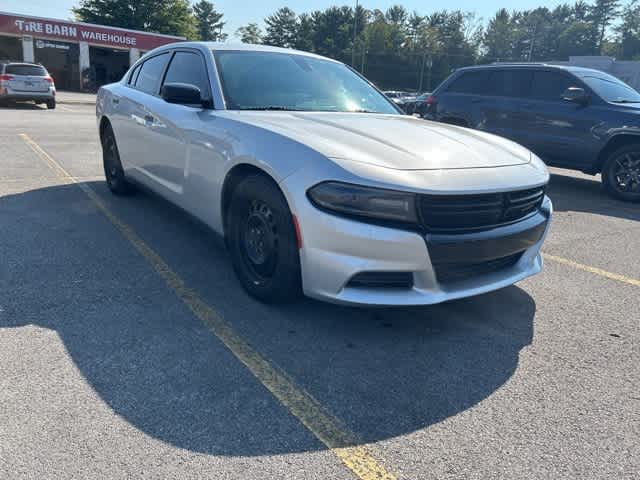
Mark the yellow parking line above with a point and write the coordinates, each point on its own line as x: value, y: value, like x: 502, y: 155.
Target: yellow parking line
x: 298, y: 401
x: 595, y: 270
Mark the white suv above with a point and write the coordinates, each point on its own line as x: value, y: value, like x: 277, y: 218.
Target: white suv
x: 26, y: 81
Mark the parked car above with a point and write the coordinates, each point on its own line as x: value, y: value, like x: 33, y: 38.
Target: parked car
x: 571, y: 117
x: 316, y: 180
x: 420, y: 105
x: 400, y: 98
x: 26, y: 82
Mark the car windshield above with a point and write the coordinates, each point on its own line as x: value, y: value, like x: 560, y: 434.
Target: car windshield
x: 282, y: 81
x: 34, y: 70
x: 611, y: 89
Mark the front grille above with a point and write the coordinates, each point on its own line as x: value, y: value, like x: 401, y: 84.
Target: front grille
x: 403, y: 280
x: 455, y: 272
x: 453, y: 213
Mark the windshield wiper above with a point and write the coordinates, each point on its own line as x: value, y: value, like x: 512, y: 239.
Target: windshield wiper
x: 273, y: 107
x: 625, y: 101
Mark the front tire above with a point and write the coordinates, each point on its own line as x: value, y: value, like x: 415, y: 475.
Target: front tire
x: 113, y: 171
x: 621, y: 173
x: 262, y: 241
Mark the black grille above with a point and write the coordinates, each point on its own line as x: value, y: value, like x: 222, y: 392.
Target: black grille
x: 455, y: 272
x: 449, y: 213
x: 402, y: 280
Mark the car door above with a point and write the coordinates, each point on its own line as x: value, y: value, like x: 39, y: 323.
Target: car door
x: 175, y: 127
x: 462, y: 100
x: 121, y: 105
x: 556, y: 130
x: 501, y: 109
x: 132, y: 117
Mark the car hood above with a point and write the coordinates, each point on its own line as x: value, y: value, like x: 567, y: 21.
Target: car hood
x: 393, y: 141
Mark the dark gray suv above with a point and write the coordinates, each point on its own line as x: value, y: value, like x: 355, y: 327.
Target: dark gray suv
x: 571, y: 117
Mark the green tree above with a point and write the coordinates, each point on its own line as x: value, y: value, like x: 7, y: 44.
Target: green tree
x: 498, y: 37
x: 250, y: 33
x: 333, y: 32
x: 602, y: 14
x: 171, y: 17
x: 629, y: 32
x: 208, y: 21
x: 414, y: 23
x: 397, y: 15
x: 281, y: 28
x: 304, y: 33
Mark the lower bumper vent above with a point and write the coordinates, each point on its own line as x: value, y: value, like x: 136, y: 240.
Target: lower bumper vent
x: 399, y: 280
x: 456, y: 272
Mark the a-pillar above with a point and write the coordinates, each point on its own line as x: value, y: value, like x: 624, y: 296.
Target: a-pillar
x: 27, y: 49
x: 85, y: 63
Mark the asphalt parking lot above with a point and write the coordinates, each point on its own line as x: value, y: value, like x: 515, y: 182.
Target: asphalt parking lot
x: 129, y: 350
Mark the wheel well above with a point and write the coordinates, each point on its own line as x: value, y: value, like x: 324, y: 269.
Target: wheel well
x: 612, y: 145
x: 104, y: 123
x: 231, y: 181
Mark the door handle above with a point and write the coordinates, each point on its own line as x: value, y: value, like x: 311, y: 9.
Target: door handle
x: 115, y: 100
x: 148, y: 119
x: 528, y: 106
x: 476, y: 100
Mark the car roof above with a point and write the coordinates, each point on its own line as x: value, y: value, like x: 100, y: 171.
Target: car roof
x: 25, y: 64
x: 569, y: 68
x: 242, y: 47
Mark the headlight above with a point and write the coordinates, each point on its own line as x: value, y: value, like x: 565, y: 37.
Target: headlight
x: 372, y: 203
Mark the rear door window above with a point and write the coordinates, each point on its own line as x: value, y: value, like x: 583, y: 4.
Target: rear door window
x: 510, y: 83
x: 151, y: 74
x: 551, y: 85
x: 33, y: 70
x: 469, y: 82
x: 188, y: 67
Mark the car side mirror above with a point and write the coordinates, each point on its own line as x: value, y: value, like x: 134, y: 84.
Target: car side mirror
x: 181, y: 93
x: 575, y: 95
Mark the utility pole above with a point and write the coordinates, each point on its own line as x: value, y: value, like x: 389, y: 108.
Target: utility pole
x: 424, y: 58
x: 428, y: 62
x: 355, y: 31
x: 533, y: 39
x: 364, y: 53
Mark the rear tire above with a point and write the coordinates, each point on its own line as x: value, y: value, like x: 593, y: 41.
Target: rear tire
x: 113, y: 171
x: 621, y: 173
x: 262, y: 241
x: 51, y: 104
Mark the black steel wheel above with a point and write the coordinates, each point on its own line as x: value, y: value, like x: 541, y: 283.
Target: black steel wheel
x: 113, y: 170
x: 621, y: 173
x: 261, y: 238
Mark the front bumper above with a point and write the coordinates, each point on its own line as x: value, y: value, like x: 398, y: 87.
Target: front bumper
x: 335, y: 249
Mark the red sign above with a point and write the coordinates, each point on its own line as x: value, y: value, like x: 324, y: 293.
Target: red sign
x: 82, y: 32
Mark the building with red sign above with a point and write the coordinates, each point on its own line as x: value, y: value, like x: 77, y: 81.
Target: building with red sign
x: 79, y: 56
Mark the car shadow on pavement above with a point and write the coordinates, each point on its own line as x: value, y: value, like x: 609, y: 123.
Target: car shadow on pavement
x: 383, y: 372
x: 575, y: 194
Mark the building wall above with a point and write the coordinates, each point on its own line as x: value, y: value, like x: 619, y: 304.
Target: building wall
x: 44, y: 39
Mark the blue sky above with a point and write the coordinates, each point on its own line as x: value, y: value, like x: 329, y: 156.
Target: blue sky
x: 238, y: 13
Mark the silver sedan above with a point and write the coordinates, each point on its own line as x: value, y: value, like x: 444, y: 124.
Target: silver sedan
x: 318, y: 183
